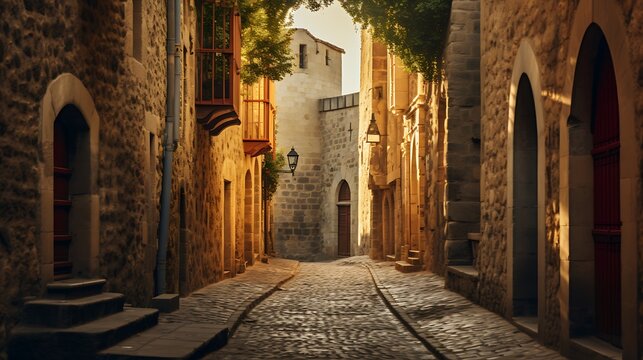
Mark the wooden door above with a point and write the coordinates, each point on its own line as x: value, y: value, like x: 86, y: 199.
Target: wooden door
x: 344, y: 230
x: 344, y: 220
x: 607, y: 220
x: 62, y: 202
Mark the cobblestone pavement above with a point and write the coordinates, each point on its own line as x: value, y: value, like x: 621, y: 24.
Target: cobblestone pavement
x: 328, y: 310
x: 463, y: 329
x: 225, y: 301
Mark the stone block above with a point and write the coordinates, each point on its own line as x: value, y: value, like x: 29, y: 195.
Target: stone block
x: 165, y: 302
x: 467, y: 211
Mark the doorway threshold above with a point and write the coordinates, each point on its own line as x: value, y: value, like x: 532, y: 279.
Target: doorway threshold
x: 527, y: 324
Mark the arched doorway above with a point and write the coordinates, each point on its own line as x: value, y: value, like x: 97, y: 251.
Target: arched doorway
x: 71, y: 167
x: 594, y: 145
x: 607, y: 220
x: 525, y: 204
x: 344, y: 220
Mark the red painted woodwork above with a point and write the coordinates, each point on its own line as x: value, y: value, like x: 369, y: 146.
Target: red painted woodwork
x: 607, y: 219
x: 343, y: 231
x: 62, y: 202
x: 218, y: 65
x: 344, y: 221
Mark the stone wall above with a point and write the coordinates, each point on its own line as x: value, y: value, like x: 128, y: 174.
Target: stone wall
x: 298, y: 200
x: 549, y: 29
x: 41, y: 41
x: 339, y: 132
x: 462, y: 130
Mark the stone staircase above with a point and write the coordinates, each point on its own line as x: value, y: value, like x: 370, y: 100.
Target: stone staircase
x: 75, y: 320
x: 410, y: 260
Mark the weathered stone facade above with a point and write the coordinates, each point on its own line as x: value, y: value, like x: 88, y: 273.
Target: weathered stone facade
x: 339, y: 133
x: 105, y: 63
x: 304, y: 227
x: 550, y: 45
x: 509, y: 174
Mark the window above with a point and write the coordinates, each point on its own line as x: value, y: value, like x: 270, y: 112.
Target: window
x: 302, y: 56
x: 217, y: 45
x: 137, y: 24
x: 327, y: 58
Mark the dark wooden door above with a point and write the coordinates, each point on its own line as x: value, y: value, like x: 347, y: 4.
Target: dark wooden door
x: 344, y: 230
x: 607, y: 219
x: 62, y: 203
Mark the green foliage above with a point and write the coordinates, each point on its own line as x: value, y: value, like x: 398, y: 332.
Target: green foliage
x: 270, y: 172
x: 266, y: 37
x: 415, y: 29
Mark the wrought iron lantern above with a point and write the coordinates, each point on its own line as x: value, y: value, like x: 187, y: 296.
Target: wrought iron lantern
x: 373, y: 133
x: 293, y: 158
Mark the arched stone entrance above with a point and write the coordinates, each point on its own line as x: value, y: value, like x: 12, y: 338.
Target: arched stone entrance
x: 344, y: 220
x: 69, y: 203
x: 594, y: 203
x: 525, y: 204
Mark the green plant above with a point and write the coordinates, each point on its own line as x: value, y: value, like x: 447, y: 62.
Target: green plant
x: 414, y: 29
x: 272, y: 163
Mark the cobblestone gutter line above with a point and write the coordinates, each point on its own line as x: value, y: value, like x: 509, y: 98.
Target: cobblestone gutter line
x: 244, y: 309
x: 430, y: 342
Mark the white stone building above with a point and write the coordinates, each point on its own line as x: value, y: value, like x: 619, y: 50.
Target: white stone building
x: 316, y: 209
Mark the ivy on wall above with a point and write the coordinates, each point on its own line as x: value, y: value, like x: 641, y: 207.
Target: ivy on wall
x: 272, y: 163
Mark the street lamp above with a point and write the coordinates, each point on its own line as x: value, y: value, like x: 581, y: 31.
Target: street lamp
x: 372, y: 133
x: 293, y: 158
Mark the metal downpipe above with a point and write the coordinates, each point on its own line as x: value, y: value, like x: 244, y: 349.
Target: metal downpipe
x: 169, y: 143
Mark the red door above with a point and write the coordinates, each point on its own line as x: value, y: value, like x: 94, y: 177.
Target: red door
x: 607, y: 220
x: 344, y: 230
x: 62, y: 203
x: 344, y: 220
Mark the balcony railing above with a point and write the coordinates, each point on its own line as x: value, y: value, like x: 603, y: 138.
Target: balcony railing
x: 258, y: 117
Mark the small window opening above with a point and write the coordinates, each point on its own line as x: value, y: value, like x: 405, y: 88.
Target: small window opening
x: 137, y: 30
x: 327, y: 58
x: 302, y: 56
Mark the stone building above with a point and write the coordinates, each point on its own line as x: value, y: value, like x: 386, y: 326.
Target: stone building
x: 316, y: 209
x: 562, y: 139
x: 532, y: 189
x: 82, y: 148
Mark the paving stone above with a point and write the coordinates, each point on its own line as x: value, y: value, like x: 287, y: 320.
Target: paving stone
x: 328, y: 310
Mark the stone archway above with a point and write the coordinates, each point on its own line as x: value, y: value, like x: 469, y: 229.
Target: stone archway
x: 524, y: 210
x: 596, y: 22
x: 68, y: 103
x: 526, y: 192
x: 344, y: 220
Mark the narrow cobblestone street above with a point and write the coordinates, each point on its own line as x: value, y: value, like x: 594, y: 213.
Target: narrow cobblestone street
x: 328, y: 310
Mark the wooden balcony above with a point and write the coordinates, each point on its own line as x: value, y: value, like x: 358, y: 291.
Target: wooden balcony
x: 258, y: 118
x: 218, y: 61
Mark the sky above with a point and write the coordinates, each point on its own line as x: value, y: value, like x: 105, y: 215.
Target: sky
x: 334, y: 25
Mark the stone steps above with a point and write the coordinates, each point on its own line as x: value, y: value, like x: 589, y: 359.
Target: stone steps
x: 414, y: 260
x: 390, y: 257
x: 80, y: 341
x: 170, y: 341
x: 74, y: 288
x: 405, y: 267
x: 63, y: 313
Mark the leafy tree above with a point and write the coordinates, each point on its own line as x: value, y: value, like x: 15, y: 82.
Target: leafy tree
x: 415, y: 29
x: 266, y: 36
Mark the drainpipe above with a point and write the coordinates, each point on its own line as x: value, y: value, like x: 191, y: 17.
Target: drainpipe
x: 171, y: 138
